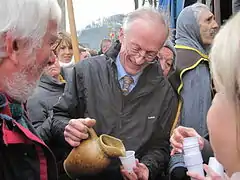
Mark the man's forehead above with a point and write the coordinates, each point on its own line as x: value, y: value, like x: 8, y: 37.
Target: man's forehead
x: 205, y: 14
x: 146, y: 40
x: 143, y: 23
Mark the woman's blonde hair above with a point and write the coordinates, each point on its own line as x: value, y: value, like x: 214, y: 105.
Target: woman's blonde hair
x: 225, y: 64
x: 63, y: 39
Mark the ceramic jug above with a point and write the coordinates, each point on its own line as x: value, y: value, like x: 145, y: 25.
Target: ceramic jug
x: 93, y: 154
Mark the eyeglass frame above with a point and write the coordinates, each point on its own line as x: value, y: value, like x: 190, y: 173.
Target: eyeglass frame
x: 150, y: 59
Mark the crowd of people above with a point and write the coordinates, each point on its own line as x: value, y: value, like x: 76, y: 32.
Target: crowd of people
x: 143, y: 88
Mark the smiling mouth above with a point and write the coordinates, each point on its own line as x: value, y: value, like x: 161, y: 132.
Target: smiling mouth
x: 67, y: 57
x: 136, y: 67
x: 134, y: 64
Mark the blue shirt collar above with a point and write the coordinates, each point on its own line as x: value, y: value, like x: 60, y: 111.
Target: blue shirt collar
x: 121, y: 71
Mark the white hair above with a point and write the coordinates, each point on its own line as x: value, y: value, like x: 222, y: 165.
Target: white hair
x: 27, y: 19
x: 149, y: 14
x: 197, y: 9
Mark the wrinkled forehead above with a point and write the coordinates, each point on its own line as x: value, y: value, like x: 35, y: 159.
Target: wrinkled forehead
x: 204, y: 15
x: 148, y: 35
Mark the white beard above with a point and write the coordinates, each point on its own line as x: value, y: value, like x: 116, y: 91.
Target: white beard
x: 19, y: 87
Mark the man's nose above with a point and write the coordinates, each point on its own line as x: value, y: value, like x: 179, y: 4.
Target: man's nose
x: 141, y: 57
x: 139, y: 60
x: 67, y: 50
x: 215, y: 25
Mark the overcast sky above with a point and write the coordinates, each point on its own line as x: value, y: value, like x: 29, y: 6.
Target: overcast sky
x: 87, y: 11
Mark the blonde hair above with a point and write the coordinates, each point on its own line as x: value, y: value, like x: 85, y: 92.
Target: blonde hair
x: 225, y: 64
x: 63, y: 38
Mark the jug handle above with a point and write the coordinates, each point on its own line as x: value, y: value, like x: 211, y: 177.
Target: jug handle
x: 92, y: 133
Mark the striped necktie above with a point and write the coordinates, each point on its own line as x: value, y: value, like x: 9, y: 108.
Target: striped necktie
x: 127, y: 81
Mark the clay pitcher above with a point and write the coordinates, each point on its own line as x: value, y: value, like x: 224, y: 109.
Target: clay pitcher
x: 93, y: 154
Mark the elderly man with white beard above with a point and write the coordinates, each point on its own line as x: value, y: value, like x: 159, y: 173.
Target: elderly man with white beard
x: 27, y: 30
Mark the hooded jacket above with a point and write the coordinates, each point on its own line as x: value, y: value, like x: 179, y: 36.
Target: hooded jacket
x: 40, y: 111
x: 40, y: 104
x: 191, y: 80
x: 192, y: 76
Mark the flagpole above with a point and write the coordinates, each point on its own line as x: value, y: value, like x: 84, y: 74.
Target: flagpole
x: 73, y: 30
x: 217, y: 11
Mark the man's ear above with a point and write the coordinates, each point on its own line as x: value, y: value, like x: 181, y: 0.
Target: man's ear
x: 11, y: 46
x: 121, y: 35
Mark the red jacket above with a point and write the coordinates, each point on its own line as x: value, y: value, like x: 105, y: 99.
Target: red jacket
x: 23, y: 155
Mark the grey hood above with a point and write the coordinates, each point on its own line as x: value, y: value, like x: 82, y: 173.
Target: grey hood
x: 188, y: 30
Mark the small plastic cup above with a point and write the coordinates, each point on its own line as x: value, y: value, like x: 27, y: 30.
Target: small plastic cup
x: 216, y: 166
x: 128, y: 161
x: 198, y: 168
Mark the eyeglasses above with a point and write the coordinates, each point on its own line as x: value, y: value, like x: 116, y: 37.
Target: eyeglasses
x: 148, y: 56
x: 136, y: 51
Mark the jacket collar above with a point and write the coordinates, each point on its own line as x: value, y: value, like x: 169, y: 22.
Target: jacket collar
x: 48, y: 82
x: 152, y: 74
x: 113, y: 51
